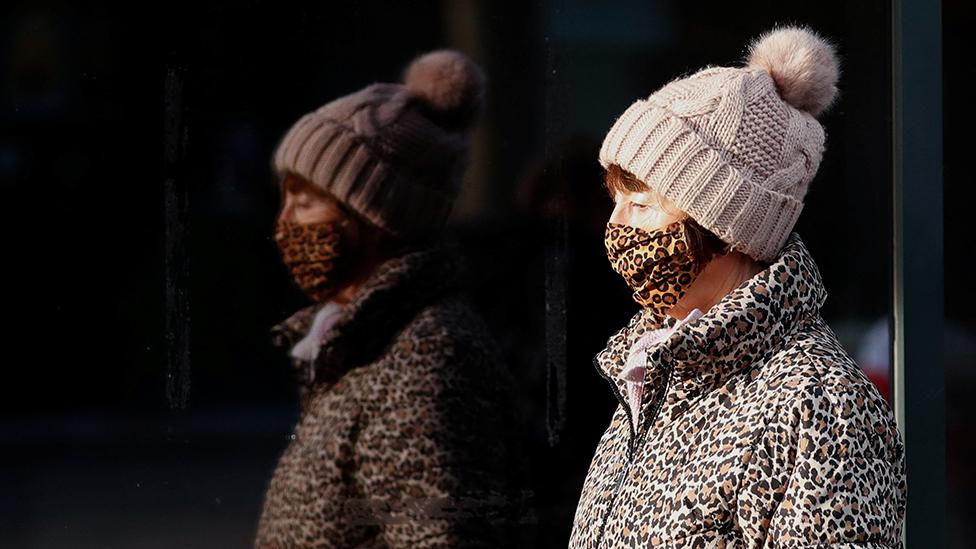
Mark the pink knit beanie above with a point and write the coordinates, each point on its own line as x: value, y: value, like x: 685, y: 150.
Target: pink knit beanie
x: 393, y: 153
x: 736, y: 148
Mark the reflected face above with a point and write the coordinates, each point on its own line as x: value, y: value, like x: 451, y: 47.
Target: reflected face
x: 304, y: 203
x: 646, y: 210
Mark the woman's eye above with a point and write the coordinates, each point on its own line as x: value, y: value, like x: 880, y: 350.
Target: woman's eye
x: 639, y: 206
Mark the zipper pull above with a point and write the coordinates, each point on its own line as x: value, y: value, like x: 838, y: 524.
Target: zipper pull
x: 623, y: 475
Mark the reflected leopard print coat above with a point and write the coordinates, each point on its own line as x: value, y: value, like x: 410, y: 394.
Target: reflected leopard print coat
x: 757, y: 430
x: 401, y: 440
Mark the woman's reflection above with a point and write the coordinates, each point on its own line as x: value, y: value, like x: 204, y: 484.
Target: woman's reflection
x: 402, y: 436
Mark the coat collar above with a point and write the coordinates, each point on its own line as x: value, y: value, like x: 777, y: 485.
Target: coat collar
x: 387, y: 301
x: 745, y: 326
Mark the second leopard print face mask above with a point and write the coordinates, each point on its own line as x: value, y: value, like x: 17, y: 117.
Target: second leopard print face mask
x: 310, y: 253
x: 658, y: 265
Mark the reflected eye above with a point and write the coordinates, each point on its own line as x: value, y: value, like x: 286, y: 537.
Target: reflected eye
x: 303, y: 200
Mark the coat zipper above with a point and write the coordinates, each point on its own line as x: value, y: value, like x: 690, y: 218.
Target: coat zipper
x: 633, y: 443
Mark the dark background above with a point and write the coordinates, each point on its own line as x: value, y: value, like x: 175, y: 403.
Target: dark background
x: 111, y: 437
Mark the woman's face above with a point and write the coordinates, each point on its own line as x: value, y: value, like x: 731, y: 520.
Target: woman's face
x: 303, y: 203
x: 644, y: 210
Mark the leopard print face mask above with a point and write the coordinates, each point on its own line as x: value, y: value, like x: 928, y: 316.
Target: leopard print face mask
x: 310, y: 253
x: 658, y: 265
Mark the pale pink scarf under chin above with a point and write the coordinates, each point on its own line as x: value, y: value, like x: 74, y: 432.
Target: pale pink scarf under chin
x: 636, y: 365
x: 308, y: 348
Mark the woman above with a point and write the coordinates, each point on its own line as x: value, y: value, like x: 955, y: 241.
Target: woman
x: 400, y: 442
x: 742, y: 421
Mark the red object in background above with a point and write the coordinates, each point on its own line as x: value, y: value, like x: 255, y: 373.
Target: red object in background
x: 874, y: 356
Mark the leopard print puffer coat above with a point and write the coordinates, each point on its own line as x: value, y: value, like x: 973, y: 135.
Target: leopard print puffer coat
x: 757, y: 430
x: 402, y: 436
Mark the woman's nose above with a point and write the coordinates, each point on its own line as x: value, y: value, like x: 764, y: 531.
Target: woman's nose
x: 618, y: 214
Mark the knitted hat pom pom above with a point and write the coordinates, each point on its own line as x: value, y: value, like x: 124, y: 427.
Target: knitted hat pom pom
x: 449, y: 82
x: 802, y: 63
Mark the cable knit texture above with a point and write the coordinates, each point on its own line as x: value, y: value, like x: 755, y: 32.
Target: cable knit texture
x: 394, y: 153
x: 727, y: 146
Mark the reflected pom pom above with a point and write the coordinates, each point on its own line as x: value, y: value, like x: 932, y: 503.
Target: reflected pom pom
x: 449, y: 82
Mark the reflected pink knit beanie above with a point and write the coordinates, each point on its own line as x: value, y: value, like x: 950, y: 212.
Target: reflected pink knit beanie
x: 393, y: 153
x: 735, y: 148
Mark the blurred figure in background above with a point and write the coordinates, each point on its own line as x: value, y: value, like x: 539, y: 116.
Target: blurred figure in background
x: 741, y: 421
x: 402, y: 439
x: 553, y: 238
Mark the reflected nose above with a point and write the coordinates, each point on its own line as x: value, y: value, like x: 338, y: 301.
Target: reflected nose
x: 286, y: 213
